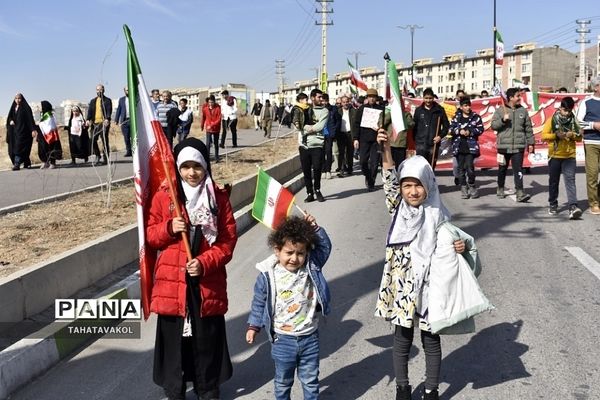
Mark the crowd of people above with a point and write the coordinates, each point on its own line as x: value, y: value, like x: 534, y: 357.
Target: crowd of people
x: 87, y: 135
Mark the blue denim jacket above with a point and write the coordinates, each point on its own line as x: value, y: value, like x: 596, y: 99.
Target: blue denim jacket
x: 263, y: 303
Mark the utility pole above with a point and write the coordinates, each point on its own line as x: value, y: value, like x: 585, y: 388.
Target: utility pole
x: 316, y: 71
x: 494, y: 59
x: 582, y: 30
x: 412, y: 54
x: 279, y: 71
x: 324, y: 23
x: 356, y: 54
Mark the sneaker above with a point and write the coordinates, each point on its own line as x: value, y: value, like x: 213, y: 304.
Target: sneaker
x: 473, y: 192
x: 500, y: 193
x: 52, y: 166
x: 553, y: 209
x: 595, y: 210
x: 522, y: 197
x: 16, y: 167
x: 464, y: 192
x: 320, y: 197
x: 575, y: 212
x: 327, y: 175
x: 433, y: 395
x: 310, y: 198
x: 403, y: 392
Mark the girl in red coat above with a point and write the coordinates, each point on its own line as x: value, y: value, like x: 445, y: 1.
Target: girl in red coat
x: 190, y: 297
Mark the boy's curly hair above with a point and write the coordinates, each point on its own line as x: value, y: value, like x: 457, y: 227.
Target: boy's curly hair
x: 296, y: 230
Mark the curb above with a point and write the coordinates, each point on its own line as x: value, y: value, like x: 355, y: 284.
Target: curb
x: 29, y: 358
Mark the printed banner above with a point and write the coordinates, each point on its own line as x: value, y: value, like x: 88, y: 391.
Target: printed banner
x: 547, y: 104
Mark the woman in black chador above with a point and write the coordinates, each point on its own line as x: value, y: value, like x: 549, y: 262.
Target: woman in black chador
x: 49, y: 147
x: 20, y: 131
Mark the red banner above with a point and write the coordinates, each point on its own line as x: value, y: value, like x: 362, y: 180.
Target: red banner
x: 548, y: 104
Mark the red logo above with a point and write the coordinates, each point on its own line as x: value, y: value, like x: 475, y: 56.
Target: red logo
x: 271, y: 202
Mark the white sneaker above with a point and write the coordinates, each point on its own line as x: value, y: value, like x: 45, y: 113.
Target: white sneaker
x: 327, y: 175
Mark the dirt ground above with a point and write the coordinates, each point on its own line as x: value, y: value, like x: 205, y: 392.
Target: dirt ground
x: 33, y: 235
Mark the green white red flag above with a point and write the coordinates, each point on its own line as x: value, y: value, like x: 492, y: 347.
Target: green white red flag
x: 152, y: 163
x: 272, y: 202
x: 499, y: 49
x: 355, y: 77
x: 531, y: 100
x: 395, y: 102
x: 48, y: 127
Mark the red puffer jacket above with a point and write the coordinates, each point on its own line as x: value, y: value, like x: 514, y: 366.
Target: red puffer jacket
x: 169, y: 288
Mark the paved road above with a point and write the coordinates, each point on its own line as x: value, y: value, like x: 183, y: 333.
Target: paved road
x: 540, y: 343
x: 26, y: 185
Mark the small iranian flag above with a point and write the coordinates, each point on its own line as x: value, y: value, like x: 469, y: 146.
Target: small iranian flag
x: 355, y: 77
x: 532, y: 100
x: 48, y: 127
x: 272, y: 202
x: 395, y: 100
x: 499, y: 49
x: 153, y: 164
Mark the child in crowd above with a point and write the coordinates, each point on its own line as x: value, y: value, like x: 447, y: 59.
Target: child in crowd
x: 562, y: 132
x: 190, y: 297
x: 289, y: 293
x: 302, y: 114
x: 466, y: 127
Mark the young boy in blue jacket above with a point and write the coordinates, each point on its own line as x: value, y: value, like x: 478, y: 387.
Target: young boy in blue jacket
x: 289, y: 293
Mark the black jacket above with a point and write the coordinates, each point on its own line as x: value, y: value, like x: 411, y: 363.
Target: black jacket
x: 106, y: 105
x: 426, y: 123
x: 365, y: 134
x: 334, y: 121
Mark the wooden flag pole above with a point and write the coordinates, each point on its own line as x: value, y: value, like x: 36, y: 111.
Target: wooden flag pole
x: 437, y: 129
x: 175, y: 200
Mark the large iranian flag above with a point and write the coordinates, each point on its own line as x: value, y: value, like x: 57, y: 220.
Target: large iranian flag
x: 395, y: 100
x: 152, y: 163
x: 355, y: 77
x: 272, y: 202
x: 499, y: 49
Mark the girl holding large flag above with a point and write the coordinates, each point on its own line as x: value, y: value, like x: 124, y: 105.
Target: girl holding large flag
x: 49, y: 147
x: 190, y: 297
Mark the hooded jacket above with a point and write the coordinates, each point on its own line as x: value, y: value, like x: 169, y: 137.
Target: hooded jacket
x: 263, y: 303
x: 471, y: 123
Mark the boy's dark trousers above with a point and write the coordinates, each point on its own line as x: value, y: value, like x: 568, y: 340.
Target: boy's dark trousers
x: 427, y: 152
x: 311, y: 160
x: 213, y: 138
x: 398, y: 155
x: 466, y: 166
x: 516, y: 161
x: 328, y: 153
x: 232, y: 124
x: 369, y: 161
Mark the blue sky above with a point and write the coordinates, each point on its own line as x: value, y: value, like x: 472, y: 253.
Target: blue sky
x: 62, y: 49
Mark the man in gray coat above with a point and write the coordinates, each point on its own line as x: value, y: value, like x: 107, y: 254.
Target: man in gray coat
x: 515, y: 132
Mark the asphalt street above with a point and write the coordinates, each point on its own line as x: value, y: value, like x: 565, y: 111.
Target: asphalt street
x: 32, y: 184
x: 541, y: 342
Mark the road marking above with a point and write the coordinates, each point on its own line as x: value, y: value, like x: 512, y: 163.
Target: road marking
x: 585, y: 259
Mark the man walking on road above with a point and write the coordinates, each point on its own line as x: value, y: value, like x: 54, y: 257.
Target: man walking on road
x: 431, y: 125
x: 589, y: 116
x: 333, y: 126
x: 514, y: 133
x: 161, y: 110
x: 344, y: 139
x: 229, y: 115
x: 98, y: 119
x: 256, y: 108
x: 369, y: 118
x: 122, y: 118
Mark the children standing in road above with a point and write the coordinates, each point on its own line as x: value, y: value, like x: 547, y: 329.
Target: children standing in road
x: 289, y: 292
x: 562, y: 132
x: 466, y: 127
x: 190, y: 297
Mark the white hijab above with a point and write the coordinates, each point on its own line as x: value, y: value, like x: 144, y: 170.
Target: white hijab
x: 418, y: 225
x: 201, y: 203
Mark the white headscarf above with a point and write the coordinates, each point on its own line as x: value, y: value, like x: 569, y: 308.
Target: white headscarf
x: 418, y: 225
x: 201, y: 203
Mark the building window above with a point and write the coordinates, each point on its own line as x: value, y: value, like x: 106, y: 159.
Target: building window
x: 525, y: 68
x: 473, y: 74
x: 486, y: 84
x: 487, y: 61
x: 473, y: 63
x: 440, y: 89
x: 441, y: 78
x: 525, y: 57
x: 428, y: 79
x: 474, y: 86
x: 452, y: 77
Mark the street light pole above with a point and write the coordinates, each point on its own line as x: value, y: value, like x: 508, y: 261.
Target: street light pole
x: 412, y: 28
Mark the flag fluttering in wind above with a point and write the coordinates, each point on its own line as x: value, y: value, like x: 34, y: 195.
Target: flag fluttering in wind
x: 48, y: 127
x: 395, y: 100
x: 531, y: 100
x: 355, y: 77
x: 153, y: 164
x: 272, y: 202
x: 499, y: 49
x: 498, y: 91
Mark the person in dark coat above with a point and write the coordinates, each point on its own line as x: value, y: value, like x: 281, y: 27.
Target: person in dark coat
x: 122, y: 119
x: 49, y: 146
x: 79, y: 139
x: 98, y: 120
x: 190, y: 297
x: 431, y: 125
x: 365, y: 139
x: 20, y: 131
